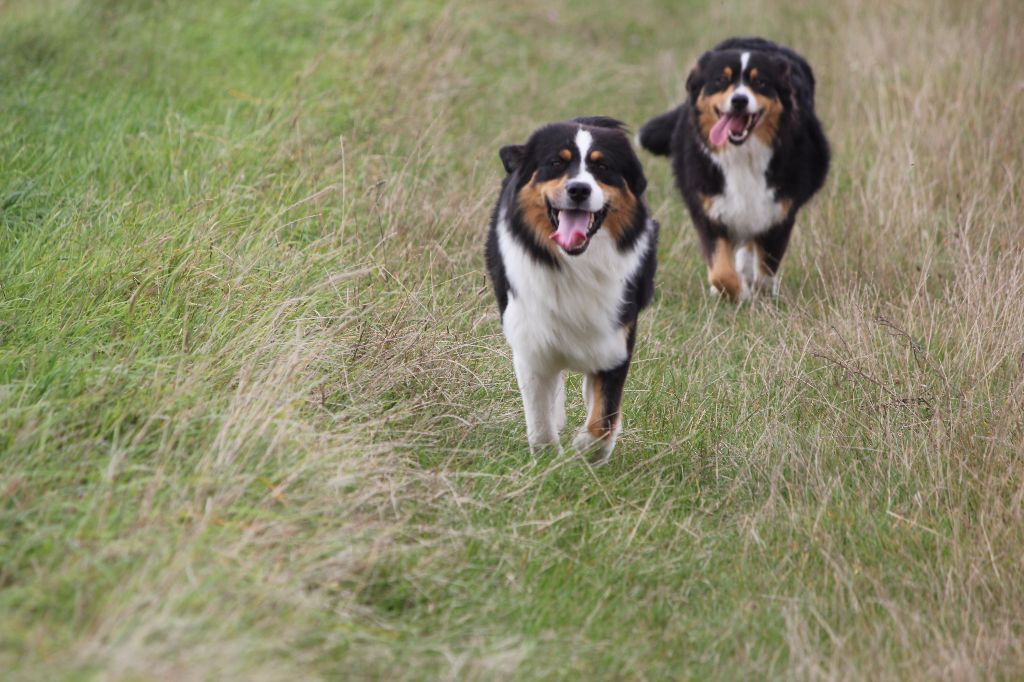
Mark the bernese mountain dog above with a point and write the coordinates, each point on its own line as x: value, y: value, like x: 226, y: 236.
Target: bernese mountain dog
x: 571, y: 256
x: 748, y: 151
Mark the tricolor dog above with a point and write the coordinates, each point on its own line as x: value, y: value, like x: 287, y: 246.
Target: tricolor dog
x: 571, y: 255
x: 748, y: 151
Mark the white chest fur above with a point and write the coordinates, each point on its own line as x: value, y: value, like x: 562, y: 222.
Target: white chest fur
x: 568, y: 318
x: 747, y: 206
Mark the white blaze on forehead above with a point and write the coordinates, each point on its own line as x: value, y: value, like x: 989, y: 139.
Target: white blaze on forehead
x: 584, y: 140
x: 743, y: 89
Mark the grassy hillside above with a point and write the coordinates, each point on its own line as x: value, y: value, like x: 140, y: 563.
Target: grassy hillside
x: 257, y: 419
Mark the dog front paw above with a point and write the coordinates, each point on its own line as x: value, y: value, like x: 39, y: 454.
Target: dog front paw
x: 596, y: 450
x: 539, y: 444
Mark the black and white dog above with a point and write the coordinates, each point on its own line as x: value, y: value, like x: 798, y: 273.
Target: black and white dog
x: 748, y: 151
x: 571, y: 255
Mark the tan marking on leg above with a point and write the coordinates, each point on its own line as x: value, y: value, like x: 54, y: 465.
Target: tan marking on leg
x: 722, y: 273
x: 595, y: 420
x: 707, y: 201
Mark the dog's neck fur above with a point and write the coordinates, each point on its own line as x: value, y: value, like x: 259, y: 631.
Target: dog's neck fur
x: 569, y: 316
x: 747, y: 205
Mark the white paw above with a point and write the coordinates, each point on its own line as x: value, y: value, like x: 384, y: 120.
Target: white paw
x: 745, y: 292
x: 766, y: 286
x: 538, y: 445
x: 713, y: 290
x: 596, y: 450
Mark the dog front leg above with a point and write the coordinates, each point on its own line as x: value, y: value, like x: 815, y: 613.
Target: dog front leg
x: 722, y: 273
x: 560, y: 403
x: 602, y: 392
x: 540, y: 390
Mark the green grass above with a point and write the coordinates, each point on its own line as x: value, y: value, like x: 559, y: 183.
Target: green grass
x: 257, y: 419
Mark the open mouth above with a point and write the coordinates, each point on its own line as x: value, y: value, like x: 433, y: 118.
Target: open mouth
x: 733, y: 127
x: 574, y: 227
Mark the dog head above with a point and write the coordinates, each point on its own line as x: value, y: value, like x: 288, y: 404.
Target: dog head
x: 737, y: 94
x: 574, y: 178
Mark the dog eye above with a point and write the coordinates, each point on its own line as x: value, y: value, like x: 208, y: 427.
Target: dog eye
x: 722, y: 80
x: 759, y: 83
x: 556, y: 163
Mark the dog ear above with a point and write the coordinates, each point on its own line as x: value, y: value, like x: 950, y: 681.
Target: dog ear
x: 784, y: 70
x: 638, y: 181
x: 512, y: 156
x: 600, y: 122
x: 786, y: 81
x: 695, y: 81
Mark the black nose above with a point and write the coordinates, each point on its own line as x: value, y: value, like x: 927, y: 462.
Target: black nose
x: 578, y: 191
x: 740, y: 101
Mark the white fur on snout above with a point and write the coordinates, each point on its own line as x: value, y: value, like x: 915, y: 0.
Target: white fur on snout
x: 751, y: 107
x: 595, y: 202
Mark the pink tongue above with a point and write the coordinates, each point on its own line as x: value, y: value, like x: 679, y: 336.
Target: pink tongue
x: 572, y: 229
x: 726, y: 124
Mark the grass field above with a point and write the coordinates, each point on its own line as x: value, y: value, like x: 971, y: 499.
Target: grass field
x: 258, y: 422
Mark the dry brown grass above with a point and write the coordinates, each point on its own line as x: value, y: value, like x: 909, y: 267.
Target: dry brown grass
x: 263, y: 425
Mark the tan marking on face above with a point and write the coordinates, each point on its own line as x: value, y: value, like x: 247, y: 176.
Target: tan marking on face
x: 596, y: 156
x: 787, y: 205
x: 621, y: 204
x: 753, y: 73
x: 768, y: 127
x: 533, y: 198
x: 722, y: 271
x: 727, y: 72
x: 565, y: 155
x: 706, y: 112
